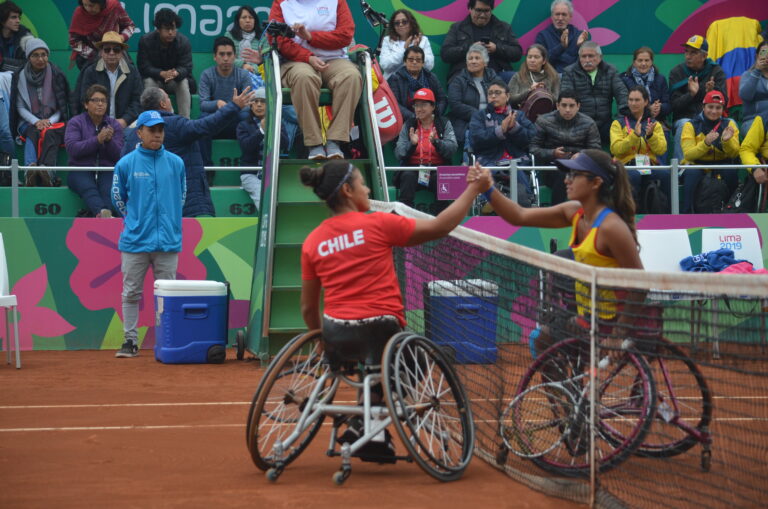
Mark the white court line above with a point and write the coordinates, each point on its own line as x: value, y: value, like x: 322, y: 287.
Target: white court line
x: 240, y: 403
x: 193, y: 426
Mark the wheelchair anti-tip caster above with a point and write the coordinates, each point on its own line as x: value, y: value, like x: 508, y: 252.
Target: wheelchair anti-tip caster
x: 273, y: 473
x: 341, y: 475
x: 706, y: 460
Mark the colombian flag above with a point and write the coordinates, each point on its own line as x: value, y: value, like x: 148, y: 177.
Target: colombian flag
x: 732, y: 44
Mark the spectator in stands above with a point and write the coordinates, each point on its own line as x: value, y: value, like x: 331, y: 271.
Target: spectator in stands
x: 426, y: 139
x: 467, y: 91
x: 91, y: 21
x: 148, y: 191
x: 709, y: 138
x: 562, y: 134
x: 535, y: 73
x: 411, y: 77
x: 183, y: 137
x: 93, y: 139
x: 597, y: 84
x: 501, y: 133
x: 246, y: 32
x: 638, y: 139
x: 753, y: 88
x: 689, y: 82
x: 117, y: 75
x: 216, y: 85
x: 403, y: 33
x: 562, y: 39
x: 754, y: 149
x: 13, y: 37
x: 643, y: 72
x: 165, y: 59
x: 317, y: 57
x: 250, y: 134
x: 7, y: 146
x: 40, y: 94
x: 483, y: 28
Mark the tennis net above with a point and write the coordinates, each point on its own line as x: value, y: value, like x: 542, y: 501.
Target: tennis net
x: 681, y: 405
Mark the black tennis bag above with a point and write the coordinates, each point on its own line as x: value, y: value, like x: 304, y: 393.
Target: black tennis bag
x: 745, y: 197
x: 655, y: 199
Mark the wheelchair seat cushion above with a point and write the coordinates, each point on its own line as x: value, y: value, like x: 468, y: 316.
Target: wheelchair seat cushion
x: 357, y: 340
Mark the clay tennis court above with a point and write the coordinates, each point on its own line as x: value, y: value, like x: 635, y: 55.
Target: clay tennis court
x: 83, y: 429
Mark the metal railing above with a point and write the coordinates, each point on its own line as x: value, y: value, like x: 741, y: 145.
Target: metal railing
x: 512, y: 170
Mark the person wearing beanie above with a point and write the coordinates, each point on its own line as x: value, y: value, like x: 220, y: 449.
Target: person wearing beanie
x: 426, y: 139
x: 250, y: 135
x: 707, y: 138
x: 39, y: 99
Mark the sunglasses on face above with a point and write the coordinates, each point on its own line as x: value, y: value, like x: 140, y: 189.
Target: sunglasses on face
x: 571, y: 175
x: 482, y: 11
x: 112, y: 49
x: 400, y: 22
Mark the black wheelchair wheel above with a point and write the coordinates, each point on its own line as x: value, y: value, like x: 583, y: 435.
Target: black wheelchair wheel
x: 281, y: 398
x: 429, y: 406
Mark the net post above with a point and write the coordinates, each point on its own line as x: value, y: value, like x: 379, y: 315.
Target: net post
x: 513, y: 181
x: 592, y: 391
x: 15, y: 188
x: 674, y: 196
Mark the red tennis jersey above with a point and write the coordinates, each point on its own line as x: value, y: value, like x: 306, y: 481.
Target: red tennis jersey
x: 351, y: 255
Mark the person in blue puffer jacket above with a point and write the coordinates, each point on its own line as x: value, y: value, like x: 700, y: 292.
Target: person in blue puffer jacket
x: 148, y: 189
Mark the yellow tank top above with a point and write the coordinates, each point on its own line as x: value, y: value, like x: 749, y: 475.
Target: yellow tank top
x: 586, y: 252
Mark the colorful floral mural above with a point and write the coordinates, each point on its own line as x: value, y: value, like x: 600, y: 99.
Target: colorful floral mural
x: 66, y: 275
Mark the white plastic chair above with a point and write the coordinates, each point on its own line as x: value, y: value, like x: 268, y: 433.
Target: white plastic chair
x: 8, y: 301
x: 662, y: 250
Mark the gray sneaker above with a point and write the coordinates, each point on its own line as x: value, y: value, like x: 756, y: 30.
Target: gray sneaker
x: 333, y: 150
x: 317, y: 152
x: 129, y: 349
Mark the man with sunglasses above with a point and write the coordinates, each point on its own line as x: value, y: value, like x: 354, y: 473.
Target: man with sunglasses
x: 114, y: 72
x: 481, y: 27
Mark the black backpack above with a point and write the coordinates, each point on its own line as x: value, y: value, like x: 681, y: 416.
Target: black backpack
x: 655, y: 199
x: 711, y: 195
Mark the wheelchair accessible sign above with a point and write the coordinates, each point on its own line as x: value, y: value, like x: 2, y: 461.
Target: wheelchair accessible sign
x: 451, y: 181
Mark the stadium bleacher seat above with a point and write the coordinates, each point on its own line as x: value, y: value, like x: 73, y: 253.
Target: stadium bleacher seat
x: 226, y: 153
x: 232, y: 202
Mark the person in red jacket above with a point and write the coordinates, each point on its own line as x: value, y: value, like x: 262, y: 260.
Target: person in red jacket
x: 315, y: 57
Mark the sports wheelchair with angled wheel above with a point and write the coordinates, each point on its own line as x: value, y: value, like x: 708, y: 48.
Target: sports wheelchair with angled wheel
x: 423, y: 399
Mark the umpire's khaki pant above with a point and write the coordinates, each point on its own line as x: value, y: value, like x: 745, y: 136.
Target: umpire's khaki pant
x: 345, y: 82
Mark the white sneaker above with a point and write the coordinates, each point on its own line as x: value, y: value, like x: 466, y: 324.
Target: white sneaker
x: 317, y: 152
x: 333, y: 151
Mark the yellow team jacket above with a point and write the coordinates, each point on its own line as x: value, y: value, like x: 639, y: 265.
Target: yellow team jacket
x: 695, y: 150
x: 755, y: 144
x: 626, y: 144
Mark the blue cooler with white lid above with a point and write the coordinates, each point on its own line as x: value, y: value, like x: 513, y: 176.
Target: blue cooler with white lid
x: 460, y: 315
x: 191, y: 321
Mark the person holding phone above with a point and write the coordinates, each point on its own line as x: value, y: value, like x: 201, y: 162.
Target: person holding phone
x: 562, y: 39
x: 403, y: 33
x: 562, y: 134
x: 481, y: 27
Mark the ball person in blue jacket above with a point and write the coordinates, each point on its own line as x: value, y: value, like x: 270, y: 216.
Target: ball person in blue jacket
x: 148, y: 190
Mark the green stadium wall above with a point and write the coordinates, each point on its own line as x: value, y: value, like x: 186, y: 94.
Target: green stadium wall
x: 66, y: 272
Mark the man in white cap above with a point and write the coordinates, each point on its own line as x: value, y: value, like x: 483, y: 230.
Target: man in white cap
x: 148, y: 190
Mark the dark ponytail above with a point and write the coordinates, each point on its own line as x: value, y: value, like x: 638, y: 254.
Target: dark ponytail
x: 617, y: 196
x: 326, y: 180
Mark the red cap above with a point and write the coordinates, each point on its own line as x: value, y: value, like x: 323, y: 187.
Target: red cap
x: 424, y: 94
x: 714, y: 97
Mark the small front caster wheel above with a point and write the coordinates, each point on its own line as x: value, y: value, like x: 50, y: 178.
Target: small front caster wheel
x: 341, y: 476
x: 272, y: 474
